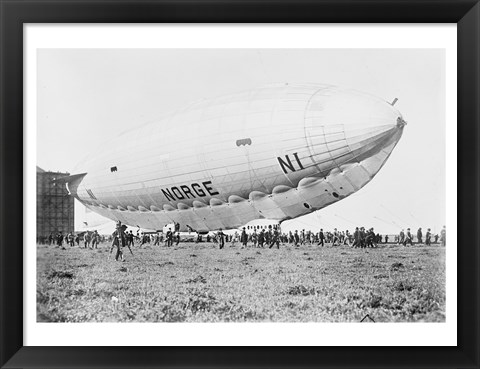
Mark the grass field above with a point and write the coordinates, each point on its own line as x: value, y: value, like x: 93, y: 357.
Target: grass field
x: 200, y: 283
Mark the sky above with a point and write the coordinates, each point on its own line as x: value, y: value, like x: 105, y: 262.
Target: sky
x: 86, y: 96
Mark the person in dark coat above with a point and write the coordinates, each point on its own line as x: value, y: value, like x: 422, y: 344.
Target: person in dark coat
x: 268, y: 236
x: 87, y: 238
x: 356, y: 238
x: 119, y: 241
x: 60, y: 239
x: 363, y: 237
x: 275, y: 239
x: 95, y: 239
x: 419, y: 236
x: 221, y: 238
x: 321, y: 238
x: 369, y: 238
x: 244, y: 237
x: 169, y: 238
x: 296, y: 238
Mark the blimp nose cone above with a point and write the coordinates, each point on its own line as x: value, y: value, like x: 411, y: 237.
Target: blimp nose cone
x: 344, y: 126
x: 401, y: 123
x: 365, y: 141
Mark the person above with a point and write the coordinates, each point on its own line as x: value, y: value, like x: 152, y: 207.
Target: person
x: 428, y: 237
x: 401, y: 237
x: 296, y: 239
x: 369, y: 238
x: 95, y: 239
x: 336, y: 237
x: 275, y: 239
x: 244, y: 238
x: 130, y: 236
x: 157, y: 239
x: 118, y: 241
x: 419, y: 236
x: 302, y: 237
x: 234, y: 239
x: 363, y: 237
x: 261, y: 238
x: 443, y: 236
x: 356, y: 238
x: 60, y: 239
x: 126, y: 236
x: 347, y: 238
x: 71, y: 239
x: 408, y: 238
x: 221, y: 238
x: 86, y: 239
x: 254, y: 238
x: 321, y: 238
x: 169, y: 238
x: 386, y: 238
x: 350, y: 239
x: 178, y: 238
x: 268, y: 235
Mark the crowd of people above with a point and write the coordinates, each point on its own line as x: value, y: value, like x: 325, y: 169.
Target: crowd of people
x: 407, y: 238
x: 87, y: 239
x: 359, y: 238
x: 257, y: 237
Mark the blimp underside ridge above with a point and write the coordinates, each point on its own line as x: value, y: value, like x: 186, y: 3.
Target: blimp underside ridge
x: 311, y: 194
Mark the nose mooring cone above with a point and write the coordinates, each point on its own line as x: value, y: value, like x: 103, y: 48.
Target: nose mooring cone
x: 401, y: 123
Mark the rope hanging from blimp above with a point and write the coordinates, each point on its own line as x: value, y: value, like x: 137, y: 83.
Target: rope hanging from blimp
x: 398, y: 218
x: 345, y: 219
x: 384, y: 221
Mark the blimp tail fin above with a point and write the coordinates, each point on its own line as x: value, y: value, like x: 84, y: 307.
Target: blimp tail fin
x: 71, y: 182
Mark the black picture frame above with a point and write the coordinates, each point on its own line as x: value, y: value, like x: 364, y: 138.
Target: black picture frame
x: 16, y: 13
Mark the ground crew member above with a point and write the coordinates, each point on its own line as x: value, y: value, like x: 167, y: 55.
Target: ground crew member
x: 221, y: 238
x: 86, y: 239
x: 119, y: 241
x: 95, y: 238
x: 408, y: 238
x: 321, y: 238
x: 419, y: 236
x: 296, y: 238
x: 275, y: 239
x: 428, y: 237
x: 363, y: 237
x: 244, y: 238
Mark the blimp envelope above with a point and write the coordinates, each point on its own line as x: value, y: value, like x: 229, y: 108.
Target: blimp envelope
x: 276, y: 152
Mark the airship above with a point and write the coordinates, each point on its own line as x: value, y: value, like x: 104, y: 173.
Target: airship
x: 275, y: 152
